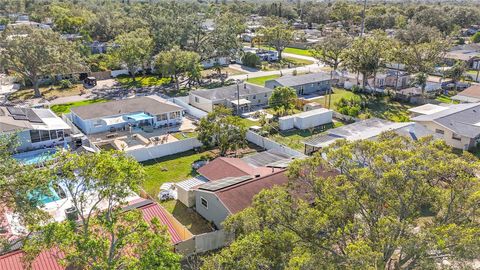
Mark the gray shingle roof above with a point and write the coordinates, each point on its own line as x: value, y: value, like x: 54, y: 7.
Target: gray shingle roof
x: 230, y: 92
x: 303, y: 79
x: 463, y: 119
x: 151, y: 104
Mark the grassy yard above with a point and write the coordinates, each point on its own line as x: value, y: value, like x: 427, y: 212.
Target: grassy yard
x: 60, y: 109
x: 294, y: 138
x: 187, y: 216
x: 297, y: 51
x: 48, y: 92
x: 185, y: 135
x: 172, y: 168
x: 296, y: 61
x: 446, y: 99
x: 261, y: 80
x: 142, y: 81
x: 381, y: 107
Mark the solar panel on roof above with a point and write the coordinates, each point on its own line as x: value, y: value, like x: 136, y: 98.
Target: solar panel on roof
x: 20, y: 117
x: 225, y: 182
x: 32, y: 116
x: 16, y: 111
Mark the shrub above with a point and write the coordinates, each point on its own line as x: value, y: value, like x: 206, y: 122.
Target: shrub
x: 251, y: 60
x: 64, y: 84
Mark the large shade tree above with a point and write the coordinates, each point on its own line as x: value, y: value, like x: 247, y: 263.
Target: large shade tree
x: 276, y: 34
x: 396, y: 204
x: 105, y: 236
x: 34, y: 53
x: 134, y: 50
x: 177, y: 62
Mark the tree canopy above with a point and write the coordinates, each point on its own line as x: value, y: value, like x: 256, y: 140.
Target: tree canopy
x: 283, y: 100
x: 395, y: 204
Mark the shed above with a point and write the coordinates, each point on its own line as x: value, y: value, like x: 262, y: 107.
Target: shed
x: 286, y: 122
x: 185, y: 188
x: 313, y: 118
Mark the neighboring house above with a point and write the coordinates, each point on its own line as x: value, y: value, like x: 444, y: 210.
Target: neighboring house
x: 47, y: 259
x: 222, y: 61
x: 469, y: 95
x: 391, y: 78
x: 251, y: 96
x: 221, y: 168
x: 35, y: 128
x: 458, y: 125
x: 264, y: 55
x: 367, y: 129
x: 146, y: 112
x: 468, y: 53
x: 215, y: 201
x: 303, y: 84
x: 98, y: 47
x: 426, y: 109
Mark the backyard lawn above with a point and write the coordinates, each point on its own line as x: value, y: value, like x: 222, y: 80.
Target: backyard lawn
x: 380, y: 107
x: 296, y: 61
x: 195, y: 223
x: 445, y: 99
x: 172, y: 168
x: 294, y: 138
x: 297, y: 51
x: 60, y: 109
x: 142, y: 81
x: 261, y: 80
x: 48, y: 92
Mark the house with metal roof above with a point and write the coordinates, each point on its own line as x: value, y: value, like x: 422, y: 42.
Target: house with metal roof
x: 243, y: 96
x: 367, y: 129
x: 458, y: 125
x: 34, y: 128
x: 147, y: 112
x: 304, y: 84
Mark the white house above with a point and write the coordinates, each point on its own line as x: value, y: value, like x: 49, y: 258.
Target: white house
x: 146, y: 112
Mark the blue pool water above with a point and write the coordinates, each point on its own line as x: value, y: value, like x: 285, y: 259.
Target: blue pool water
x: 35, y: 157
x: 45, y: 197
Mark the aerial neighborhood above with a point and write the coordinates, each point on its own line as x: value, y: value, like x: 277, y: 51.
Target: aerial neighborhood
x: 218, y: 135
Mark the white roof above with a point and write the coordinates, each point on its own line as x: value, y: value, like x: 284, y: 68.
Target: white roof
x: 428, y: 109
x: 191, y: 183
x: 312, y: 112
x: 241, y: 101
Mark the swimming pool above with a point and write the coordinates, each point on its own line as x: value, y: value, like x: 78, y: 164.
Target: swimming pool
x: 43, y: 198
x: 35, y: 157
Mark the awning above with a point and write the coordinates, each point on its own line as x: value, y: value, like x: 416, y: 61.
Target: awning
x: 113, y: 120
x: 139, y: 116
x: 240, y: 102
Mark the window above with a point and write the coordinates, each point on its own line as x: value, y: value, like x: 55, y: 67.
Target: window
x: 456, y: 137
x: 439, y: 131
x: 254, y: 97
x: 204, y: 202
x: 44, y: 135
x: 53, y: 134
x: 197, y: 100
x: 265, y: 95
x: 34, y: 136
x: 174, y: 115
x: 162, y: 117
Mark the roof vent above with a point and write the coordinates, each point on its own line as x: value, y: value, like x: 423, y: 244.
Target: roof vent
x: 257, y: 175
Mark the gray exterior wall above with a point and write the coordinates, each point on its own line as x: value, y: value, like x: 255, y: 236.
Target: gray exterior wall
x: 258, y: 100
x: 308, y: 88
x: 216, y: 211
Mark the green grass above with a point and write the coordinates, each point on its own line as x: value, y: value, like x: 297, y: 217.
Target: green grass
x: 172, y: 168
x: 261, y: 80
x: 377, y: 107
x: 294, y: 138
x: 187, y: 216
x: 142, y: 81
x: 185, y: 135
x: 297, y: 62
x: 60, y: 109
x: 297, y: 51
x: 446, y: 99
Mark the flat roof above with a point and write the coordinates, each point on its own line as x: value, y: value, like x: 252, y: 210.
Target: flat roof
x: 291, y: 80
x: 427, y: 109
x: 153, y: 104
x: 230, y: 92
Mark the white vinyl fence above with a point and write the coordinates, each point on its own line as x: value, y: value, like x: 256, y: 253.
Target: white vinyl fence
x: 203, y: 242
x: 183, y: 102
x: 161, y: 150
x: 269, y: 144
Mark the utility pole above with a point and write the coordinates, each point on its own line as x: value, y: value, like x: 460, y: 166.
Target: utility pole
x: 363, y: 17
x: 238, y: 98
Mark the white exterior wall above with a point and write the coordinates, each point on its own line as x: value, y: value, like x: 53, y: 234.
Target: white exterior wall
x: 183, y: 102
x: 200, y: 103
x: 269, y: 144
x: 286, y: 122
x: 315, y: 120
x: 187, y: 197
x: 464, y: 144
x: 157, y: 151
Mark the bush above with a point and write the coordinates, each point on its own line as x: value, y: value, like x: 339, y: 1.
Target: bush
x: 251, y: 60
x: 294, y: 73
x: 64, y: 84
x: 476, y: 38
x: 351, y: 107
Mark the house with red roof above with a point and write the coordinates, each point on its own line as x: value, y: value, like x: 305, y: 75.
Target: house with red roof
x: 216, y: 200
x: 47, y: 260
